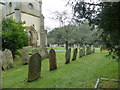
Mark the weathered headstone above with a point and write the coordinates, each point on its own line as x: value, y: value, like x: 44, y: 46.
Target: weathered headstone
x: 74, y: 54
x: 68, y: 54
x: 34, y: 71
x: 25, y: 56
x: 9, y: 58
x: 44, y: 53
x: 81, y: 53
x: 4, y: 62
x: 35, y: 50
x: 52, y: 60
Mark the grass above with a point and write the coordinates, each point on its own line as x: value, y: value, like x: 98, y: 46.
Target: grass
x: 81, y: 73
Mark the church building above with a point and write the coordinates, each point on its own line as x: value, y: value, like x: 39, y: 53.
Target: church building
x: 30, y: 12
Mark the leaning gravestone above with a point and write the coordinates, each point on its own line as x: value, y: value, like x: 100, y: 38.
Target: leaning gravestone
x: 25, y: 56
x: 9, y: 58
x: 44, y: 53
x: 74, y: 54
x: 68, y: 54
x: 35, y: 50
x: 34, y: 71
x: 52, y: 60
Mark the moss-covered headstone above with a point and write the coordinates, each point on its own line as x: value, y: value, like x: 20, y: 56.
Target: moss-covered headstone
x: 25, y: 56
x: 74, y: 54
x: 34, y: 71
x: 52, y: 60
x: 68, y: 54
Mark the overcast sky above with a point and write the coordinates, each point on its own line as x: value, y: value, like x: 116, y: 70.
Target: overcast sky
x: 49, y: 6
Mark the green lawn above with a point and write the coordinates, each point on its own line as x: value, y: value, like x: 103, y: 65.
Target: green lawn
x: 81, y: 73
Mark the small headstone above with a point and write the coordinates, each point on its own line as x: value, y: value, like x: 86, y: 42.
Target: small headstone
x: 52, y: 60
x: 34, y: 71
x: 25, y: 56
x: 44, y: 53
x: 4, y: 62
x: 7, y: 59
x: 68, y: 54
x: 35, y: 50
x: 74, y: 54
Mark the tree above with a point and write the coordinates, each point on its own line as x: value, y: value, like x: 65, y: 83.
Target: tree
x: 105, y: 18
x: 13, y: 35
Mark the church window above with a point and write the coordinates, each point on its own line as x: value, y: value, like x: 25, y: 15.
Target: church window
x: 30, y: 6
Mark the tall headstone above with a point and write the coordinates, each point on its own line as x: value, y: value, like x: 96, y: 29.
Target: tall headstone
x: 44, y: 53
x: 68, y: 54
x: 0, y: 69
x: 52, y: 60
x: 74, y: 54
x: 25, y: 56
x: 9, y: 58
x: 34, y: 71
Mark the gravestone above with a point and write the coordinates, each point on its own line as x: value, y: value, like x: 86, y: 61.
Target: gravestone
x: 7, y: 59
x: 68, y: 54
x: 4, y: 62
x: 25, y: 56
x: 83, y: 50
x: 52, y: 60
x: 74, y: 54
x: 81, y: 53
x: 34, y: 71
x: 35, y: 50
x: 44, y: 53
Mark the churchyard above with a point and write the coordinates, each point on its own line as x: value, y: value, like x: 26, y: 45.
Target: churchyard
x: 76, y: 70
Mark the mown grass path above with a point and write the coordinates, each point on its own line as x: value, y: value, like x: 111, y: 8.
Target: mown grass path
x: 81, y: 73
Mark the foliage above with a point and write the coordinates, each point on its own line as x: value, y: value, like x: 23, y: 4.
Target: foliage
x: 13, y: 35
x: 104, y: 17
x: 75, y: 35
